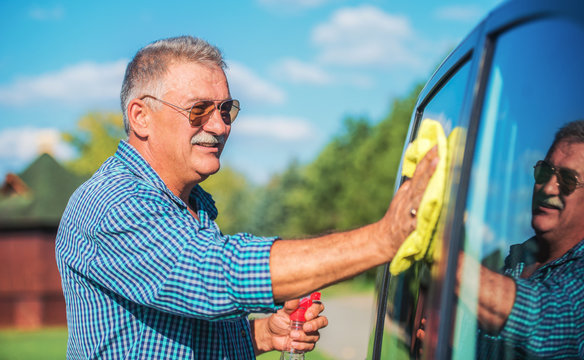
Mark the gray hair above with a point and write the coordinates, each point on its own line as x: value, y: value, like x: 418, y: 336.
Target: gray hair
x: 147, y: 69
x: 572, y: 132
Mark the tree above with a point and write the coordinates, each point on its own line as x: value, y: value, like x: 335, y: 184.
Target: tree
x: 234, y: 199
x: 280, y: 204
x: 349, y: 184
x: 95, y: 138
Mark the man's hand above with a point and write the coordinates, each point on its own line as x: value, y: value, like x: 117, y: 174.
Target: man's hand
x: 399, y: 221
x: 273, y: 333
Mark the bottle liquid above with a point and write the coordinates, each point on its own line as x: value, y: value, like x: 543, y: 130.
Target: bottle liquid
x: 297, y: 319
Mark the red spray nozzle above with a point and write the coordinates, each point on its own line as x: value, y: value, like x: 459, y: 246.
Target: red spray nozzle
x: 305, y: 303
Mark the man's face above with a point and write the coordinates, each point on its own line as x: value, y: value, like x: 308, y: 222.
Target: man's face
x: 177, y: 159
x: 557, y: 216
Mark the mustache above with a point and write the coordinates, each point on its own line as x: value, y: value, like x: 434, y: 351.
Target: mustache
x: 552, y: 201
x: 206, y: 138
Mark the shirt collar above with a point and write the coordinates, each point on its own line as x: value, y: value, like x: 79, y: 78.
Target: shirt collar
x: 134, y: 161
x: 525, y: 253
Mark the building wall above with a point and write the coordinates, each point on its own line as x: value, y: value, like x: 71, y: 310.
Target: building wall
x: 30, y: 285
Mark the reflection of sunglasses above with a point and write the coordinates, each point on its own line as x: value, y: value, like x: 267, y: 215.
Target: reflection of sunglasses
x: 567, y: 179
x: 202, y: 110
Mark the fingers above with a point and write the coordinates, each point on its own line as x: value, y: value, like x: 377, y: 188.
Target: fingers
x: 303, y: 341
x: 306, y: 339
x: 315, y: 324
x: 428, y: 163
x: 309, y: 336
x: 424, y: 171
x: 290, y: 306
x: 314, y: 310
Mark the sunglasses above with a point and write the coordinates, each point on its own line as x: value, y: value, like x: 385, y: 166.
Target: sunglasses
x: 201, y: 111
x: 567, y: 179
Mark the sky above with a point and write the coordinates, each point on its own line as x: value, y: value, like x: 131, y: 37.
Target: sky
x: 299, y: 67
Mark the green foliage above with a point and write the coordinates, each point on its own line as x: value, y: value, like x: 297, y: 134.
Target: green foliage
x: 233, y: 197
x: 95, y: 138
x: 280, y: 204
x: 350, y: 183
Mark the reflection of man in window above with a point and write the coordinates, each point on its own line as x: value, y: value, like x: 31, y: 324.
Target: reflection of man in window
x: 537, y: 310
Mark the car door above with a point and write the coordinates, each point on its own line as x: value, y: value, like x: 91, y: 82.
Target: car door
x: 506, y: 89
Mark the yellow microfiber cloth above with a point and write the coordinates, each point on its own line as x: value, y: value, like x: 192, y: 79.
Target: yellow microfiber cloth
x: 418, y: 243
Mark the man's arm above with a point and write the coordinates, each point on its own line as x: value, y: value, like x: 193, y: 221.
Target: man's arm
x: 496, y: 299
x: 298, y: 267
x: 496, y: 293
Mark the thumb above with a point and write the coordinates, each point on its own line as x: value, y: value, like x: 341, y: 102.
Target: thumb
x: 290, y: 306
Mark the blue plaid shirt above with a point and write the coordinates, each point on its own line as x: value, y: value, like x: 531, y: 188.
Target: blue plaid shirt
x: 547, y: 319
x: 143, y: 279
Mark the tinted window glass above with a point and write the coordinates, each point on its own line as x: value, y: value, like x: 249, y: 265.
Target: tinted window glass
x: 535, y: 87
x: 408, y: 292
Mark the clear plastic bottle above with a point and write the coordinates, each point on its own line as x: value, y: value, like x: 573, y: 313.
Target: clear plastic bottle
x: 297, y: 319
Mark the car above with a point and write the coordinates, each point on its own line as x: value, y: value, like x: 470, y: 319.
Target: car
x: 506, y: 89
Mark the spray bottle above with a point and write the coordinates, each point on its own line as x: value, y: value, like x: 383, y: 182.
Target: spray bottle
x: 297, y: 319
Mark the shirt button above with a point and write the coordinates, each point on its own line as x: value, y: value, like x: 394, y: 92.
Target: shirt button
x: 243, y: 333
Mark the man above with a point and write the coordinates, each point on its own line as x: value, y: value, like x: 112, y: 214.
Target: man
x: 147, y: 273
x: 537, y: 309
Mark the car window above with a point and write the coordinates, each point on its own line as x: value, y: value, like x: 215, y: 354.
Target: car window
x: 408, y: 292
x: 534, y: 87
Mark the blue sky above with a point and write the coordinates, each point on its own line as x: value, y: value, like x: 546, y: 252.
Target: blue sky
x: 299, y: 67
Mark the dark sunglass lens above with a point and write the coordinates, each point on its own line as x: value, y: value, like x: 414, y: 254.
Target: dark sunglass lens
x: 542, y: 172
x: 568, y: 180
x: 200, y: 111
x: 229, y: 110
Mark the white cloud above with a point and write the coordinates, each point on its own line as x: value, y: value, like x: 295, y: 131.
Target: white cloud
x: 82, y: 84
x: 276, y: 127
x: 22, y: 145
x: 462, y: 13
x: 250, y: 87
x: 366, y: 36
x: 43, y: 14
x: 299, y: 72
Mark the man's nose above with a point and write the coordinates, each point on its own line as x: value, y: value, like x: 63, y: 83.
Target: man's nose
x: 552, y: 186
x: 216, y: 125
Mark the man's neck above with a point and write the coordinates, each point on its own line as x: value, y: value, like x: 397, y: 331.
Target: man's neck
x: 176, y: 182
x: 552, y: 249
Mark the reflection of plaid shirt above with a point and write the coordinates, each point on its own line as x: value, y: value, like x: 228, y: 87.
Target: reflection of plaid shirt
x: 547, y: 319
x: 144, y: 280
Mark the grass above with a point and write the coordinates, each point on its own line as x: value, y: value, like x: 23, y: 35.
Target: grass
x: 46, y: 344
x: 313, y: 355
x: 51, y: 344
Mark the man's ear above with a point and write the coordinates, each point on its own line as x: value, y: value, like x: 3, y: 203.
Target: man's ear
x: 139, y: 118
